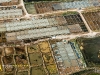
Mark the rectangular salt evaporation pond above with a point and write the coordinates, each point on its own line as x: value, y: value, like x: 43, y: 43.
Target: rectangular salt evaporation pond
x: 22, y: 73
x: 39, y: 70
x: 35, y: 58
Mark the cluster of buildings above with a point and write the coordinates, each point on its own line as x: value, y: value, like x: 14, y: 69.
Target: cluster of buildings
x: 10, y: 13
x: 43, y: 57
x: 76, y: 4
x: 43, y: 7
x: 66, y: 56
x: 1, y: 1
x: 37, y: 27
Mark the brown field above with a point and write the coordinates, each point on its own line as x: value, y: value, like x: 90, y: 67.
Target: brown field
x: 18, y: 42
x: 73, y: 20
x: 75, y: 69
x: 61, y: 20
x: 1, y: 68
x: 8, y: 61
x: 21, y: 62
x: 92, y: 19
x: 74, y: 28
x: 9, y: 50
x: 68, y: 70
x: 42, y: 7
x: 2, y: 37
x: 10, y: 44
x: 1, y: 73
x: 1, y: 51
x: 20, y: 50
x: 13, y: 2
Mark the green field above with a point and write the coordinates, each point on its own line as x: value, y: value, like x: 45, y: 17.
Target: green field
x: 30, y: 8
x: 91, y: 50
